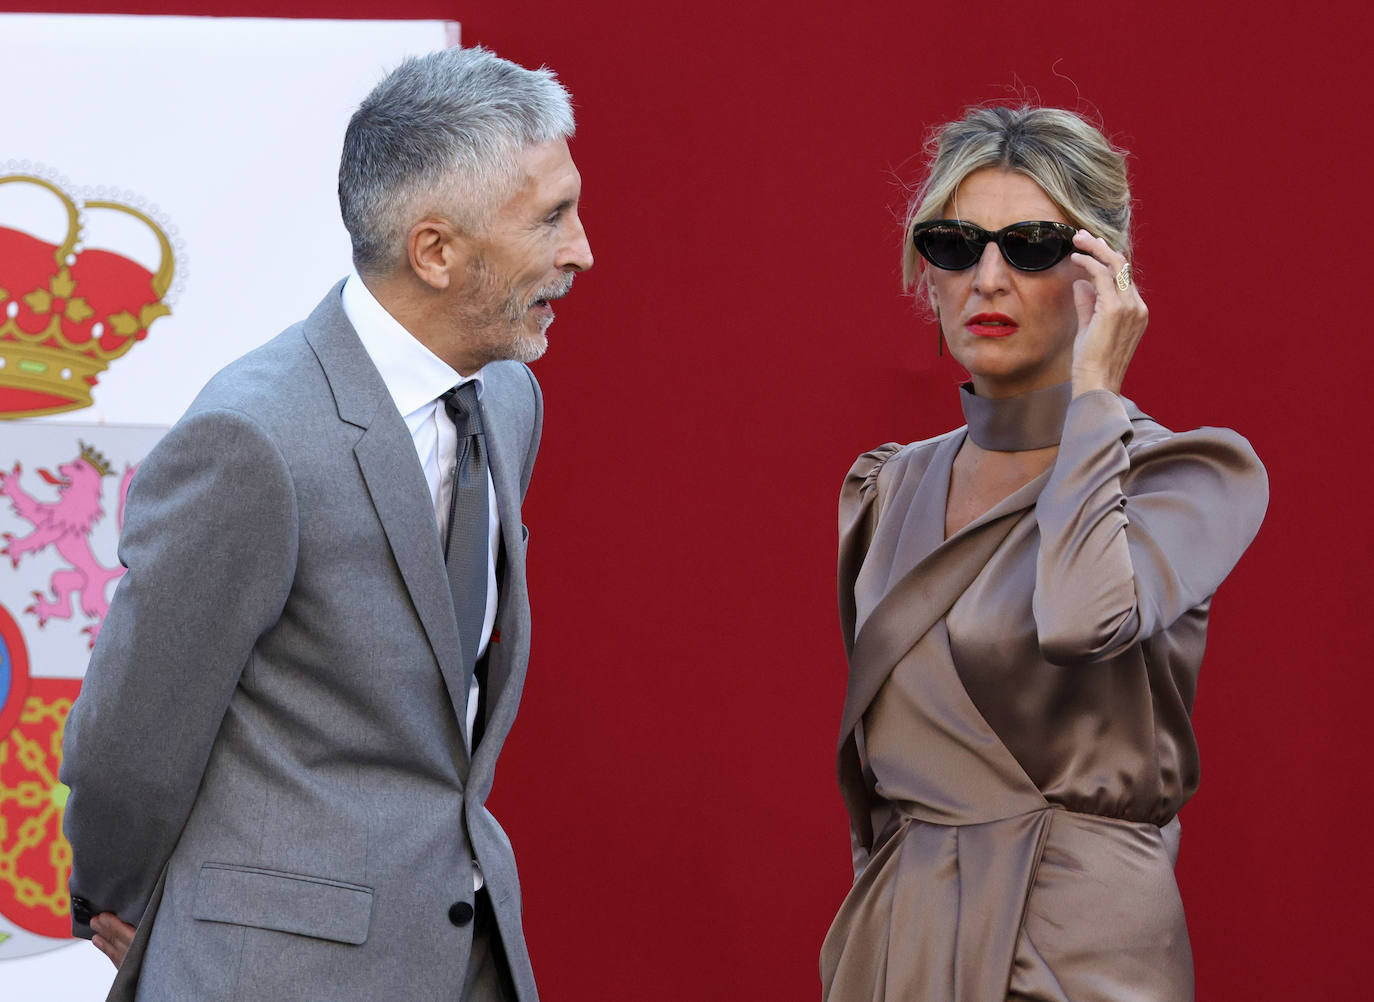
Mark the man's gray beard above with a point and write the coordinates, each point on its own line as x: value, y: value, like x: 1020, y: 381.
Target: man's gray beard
x: 525, y: 348
x: 509, y: 343
x: 512, y: 343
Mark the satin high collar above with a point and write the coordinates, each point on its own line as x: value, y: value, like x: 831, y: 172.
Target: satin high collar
x: 1031, y: 420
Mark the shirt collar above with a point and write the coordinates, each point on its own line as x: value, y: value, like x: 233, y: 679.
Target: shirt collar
x: 414, y: 375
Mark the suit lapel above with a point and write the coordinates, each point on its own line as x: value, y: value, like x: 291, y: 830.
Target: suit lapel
x: 507, y: 443
x: 396, y: 484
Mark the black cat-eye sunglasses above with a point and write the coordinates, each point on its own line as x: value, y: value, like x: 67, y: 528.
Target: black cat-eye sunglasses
x: 954, y: 245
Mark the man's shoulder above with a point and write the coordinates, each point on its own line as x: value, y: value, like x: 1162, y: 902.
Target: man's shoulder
x: 265, y: 379
x: 281, y: 378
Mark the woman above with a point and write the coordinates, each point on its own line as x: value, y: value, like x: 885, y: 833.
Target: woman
x: 1024, y: 602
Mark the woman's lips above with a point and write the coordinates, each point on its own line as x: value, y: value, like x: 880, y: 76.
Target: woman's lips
x: 991, y: 325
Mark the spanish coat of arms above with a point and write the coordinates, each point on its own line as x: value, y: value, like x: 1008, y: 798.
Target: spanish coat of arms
x: 68, y: 309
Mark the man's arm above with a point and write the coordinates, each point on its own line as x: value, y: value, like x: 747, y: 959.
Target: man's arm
x: 210, y: 544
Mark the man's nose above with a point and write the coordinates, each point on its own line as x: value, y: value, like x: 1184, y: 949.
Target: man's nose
x: 576, y: 253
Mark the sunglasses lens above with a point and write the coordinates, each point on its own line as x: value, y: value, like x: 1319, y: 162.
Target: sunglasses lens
x: 1035, y: 246
x: 949, y: 246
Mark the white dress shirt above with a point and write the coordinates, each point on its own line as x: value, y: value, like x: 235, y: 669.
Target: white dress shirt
x: 415, y: 378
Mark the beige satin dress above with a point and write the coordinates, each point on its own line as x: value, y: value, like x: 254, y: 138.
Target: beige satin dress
x: 1016, y: 740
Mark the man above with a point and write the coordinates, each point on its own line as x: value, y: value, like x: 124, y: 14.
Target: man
x: 282, y: 750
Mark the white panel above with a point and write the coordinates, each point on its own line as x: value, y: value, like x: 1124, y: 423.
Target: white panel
x: 227, y: 132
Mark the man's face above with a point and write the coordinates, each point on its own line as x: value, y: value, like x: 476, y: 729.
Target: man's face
x: 525, y: 259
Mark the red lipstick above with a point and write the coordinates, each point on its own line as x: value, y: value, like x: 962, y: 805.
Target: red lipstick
x: 991, y: 325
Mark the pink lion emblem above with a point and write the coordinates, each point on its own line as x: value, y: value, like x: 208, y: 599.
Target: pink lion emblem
x: 65, y: 524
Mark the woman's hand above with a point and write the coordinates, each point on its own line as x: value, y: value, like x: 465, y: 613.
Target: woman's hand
x: 112, y: 936
x: 1111, y: 320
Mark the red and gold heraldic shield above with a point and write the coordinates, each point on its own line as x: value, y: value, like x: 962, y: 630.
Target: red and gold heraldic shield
x: 62, y: 493
x: 35, y: 859
x: 67, y: 311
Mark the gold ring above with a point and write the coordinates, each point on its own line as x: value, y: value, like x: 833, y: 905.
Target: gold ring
x: 1123, y: 277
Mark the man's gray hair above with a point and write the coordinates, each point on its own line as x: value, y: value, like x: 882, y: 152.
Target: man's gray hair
x: 442, y: 134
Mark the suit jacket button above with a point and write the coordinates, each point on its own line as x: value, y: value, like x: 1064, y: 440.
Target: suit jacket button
x: 460, y: 913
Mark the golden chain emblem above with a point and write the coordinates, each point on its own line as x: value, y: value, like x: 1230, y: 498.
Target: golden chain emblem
x: 36, y: 883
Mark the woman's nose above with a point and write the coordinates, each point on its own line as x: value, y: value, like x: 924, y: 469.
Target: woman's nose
x: 991, y: 273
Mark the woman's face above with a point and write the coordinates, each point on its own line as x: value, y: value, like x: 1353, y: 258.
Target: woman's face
x: 1012, y: 330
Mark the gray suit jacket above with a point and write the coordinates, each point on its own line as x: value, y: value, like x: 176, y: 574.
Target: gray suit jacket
x: 267, y: 770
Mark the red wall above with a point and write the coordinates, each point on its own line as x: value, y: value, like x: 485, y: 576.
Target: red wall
x: 670, y: 784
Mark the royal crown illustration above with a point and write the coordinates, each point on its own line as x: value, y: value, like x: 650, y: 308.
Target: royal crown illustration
x: 68, y: 311
x: 95, y: 459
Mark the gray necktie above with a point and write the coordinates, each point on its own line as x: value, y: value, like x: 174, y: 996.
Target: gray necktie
x: 467, y: 547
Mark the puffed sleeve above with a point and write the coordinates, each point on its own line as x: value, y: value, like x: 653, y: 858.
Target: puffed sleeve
x: 1132, y: 537
x: 860, y: 509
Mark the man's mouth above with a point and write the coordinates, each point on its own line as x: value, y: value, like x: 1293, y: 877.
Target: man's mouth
x: 549, y: 293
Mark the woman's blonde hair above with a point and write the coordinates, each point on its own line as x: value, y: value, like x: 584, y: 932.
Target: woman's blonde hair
x: 1071, y: 160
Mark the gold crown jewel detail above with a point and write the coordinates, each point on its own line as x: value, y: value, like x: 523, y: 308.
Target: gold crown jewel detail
x: 68, y: 311
x: 95, y: 459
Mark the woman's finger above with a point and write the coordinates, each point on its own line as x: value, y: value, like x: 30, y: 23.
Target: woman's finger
x: 1111, y: 315
x: 1098, y: 249
x: 1085, y: 302
x: 1101, y: 262
x: 1103, y: 281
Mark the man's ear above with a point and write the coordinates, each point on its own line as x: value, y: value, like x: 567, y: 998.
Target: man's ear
x: 435, y: 249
